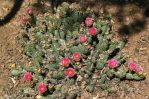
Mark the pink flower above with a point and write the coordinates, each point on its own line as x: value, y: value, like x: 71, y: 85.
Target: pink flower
x: 28, y: 76
x: 83, y: 38
x: 76, y: 56
x: 24, y: 19
x: 112, y: 63
x: 139, y: 69
x: 134, y: 67
x: 89, y: 21
x: 30, y: 11
x: 70, y: 72
x: 65, y: 61
x: 42, y: 87
x: 92, y: 31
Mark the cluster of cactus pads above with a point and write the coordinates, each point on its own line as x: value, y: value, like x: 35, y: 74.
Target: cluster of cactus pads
x: 72, y: 51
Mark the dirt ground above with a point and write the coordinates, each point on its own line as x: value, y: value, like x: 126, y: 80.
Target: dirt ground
x: 127, y: 18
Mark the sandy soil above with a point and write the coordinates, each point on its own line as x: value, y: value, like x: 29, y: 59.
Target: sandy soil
x: 129, y: 18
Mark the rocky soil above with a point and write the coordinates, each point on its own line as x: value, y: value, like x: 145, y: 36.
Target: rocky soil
x: 129, y: 18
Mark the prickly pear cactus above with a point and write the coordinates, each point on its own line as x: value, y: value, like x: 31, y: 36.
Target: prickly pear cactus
x: 71, y: 51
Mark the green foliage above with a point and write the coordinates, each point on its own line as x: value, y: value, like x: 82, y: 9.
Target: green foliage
x: 56, y: 36
x: 16, y: 72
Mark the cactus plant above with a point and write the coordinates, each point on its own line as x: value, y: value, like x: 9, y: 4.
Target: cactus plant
x: 69, y: 44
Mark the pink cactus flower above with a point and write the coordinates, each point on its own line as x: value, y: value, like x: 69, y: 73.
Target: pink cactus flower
x: 92, y: 31
x: 30, y: 11
x: 76, y: 56
x: 83, y: 38
x: 139, y: 69
x: 65, y: 61
x: 28, y: 76
x: 42, y: 87
x: 70, y: 72
x: 132, y: 66
x: 135, y: 68
x: 89, y: 21
x: 24, y: 19
x: 112, y: 63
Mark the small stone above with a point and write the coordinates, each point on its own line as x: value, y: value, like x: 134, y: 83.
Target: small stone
x: 39, y: 70
x: 79, y: 78
x: 13, y: 65
x: 146, y: 97
x: 86, y: 76
x: 38, y: 97
x: 13, y: 80
x: 142, y: 49
x: 96, y: 97
x: 95, y: 76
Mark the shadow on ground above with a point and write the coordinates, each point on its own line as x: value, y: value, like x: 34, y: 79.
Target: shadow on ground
x: 12, y: 13
x: 123, y: 9
x: 136, y: 25
x: 102, y: 6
